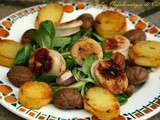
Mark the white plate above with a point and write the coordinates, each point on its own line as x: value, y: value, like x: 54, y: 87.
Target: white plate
x: 142, y: 105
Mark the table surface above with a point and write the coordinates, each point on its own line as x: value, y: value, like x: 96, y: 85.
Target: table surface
x: 8, y: 9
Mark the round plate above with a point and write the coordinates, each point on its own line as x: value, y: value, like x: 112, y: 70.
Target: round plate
x: 143, y: 104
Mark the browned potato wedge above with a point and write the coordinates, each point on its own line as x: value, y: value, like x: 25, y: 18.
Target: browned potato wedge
x: 109, y: 23
x: 101, y: 103
x: 150, y: 49
x: 53, y: 12
x: 143, y: 61
x: 7, y: 62
x: 9, y: 48
x: 34, y: 95
x: 145, y: 53
x: 86, y: 46
x: 148, y: 62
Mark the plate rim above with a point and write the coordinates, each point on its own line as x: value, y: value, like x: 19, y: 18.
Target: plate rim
x: 146, y: 116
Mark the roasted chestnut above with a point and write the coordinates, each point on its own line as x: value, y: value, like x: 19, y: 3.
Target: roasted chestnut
x: 135, y: 35
x: 130, y: 90
x: 68, y: 98
x: 137, y: 75
x: 87, y: 20
x: 18, y: 75
x: 27, y: 36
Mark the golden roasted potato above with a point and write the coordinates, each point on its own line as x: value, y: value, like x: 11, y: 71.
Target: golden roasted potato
x: 143, y: 61
x: 149, y: 49
x: 86, y: 46
x: 34, y: 95
x: 9, y: 48
x: 101, y: 103
x: 109, y: 23
x: 53, y: 12
x: 145, y: 53
x: 7, y: 62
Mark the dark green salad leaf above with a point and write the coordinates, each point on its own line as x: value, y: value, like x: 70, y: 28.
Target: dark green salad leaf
x: 83, y: 82
x: 107, y: 55
x: 48, y: 27
x: 122, y: 98
x: 23, y: 55
x: 88, y: 63
x: 70, y: 62
x: 88, y: 86
x: 98, y: 37
x: 47, y: 78
x: 78, y: 75
x: 61, y: 41
x: 149, y: 70
x: 44, y: 36
x: 87, y: 32
x: 75, y: 38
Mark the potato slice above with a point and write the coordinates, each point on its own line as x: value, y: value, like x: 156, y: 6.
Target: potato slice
x: 7, y: 62
x: 148, y: 62
x: 101, y: 103
x: 53, y: 12
x: 143, y: 61
x: 109, y: 24
x: 9, y: 48
x: 149, y: 49
x: 34, y: 95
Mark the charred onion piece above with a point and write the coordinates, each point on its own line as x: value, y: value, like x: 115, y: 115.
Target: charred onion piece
x: 47, y: 61
x: 119, y: 59
x: 111, y: 75
x: 117, y: 43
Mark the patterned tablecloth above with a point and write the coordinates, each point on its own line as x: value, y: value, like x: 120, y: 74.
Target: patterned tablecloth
x: 6, y: 10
